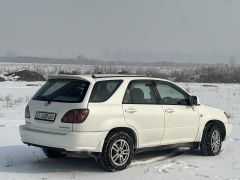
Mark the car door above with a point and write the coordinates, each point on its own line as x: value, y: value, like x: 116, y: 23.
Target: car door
x: 181, y: 119
x: 143, y: 113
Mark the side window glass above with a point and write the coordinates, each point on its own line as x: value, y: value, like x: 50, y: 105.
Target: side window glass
x: 127, y: 97
x: 103, y: 90
x: 170, y: 95
x: 140, y: 92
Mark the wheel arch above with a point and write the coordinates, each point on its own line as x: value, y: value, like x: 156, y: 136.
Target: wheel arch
x: 220, y: 124
x: 217, y: 122
x: 131, y: 132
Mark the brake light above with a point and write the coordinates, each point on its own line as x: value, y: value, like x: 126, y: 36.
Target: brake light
x: 27, y: 112
x: 75, y: 116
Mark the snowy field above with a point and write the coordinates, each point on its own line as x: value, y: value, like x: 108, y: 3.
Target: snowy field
x: 17, y: 161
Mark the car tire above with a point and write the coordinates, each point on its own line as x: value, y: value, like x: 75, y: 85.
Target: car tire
x: 211, y: 140
x: 117, y: 152
x: 53, y: 153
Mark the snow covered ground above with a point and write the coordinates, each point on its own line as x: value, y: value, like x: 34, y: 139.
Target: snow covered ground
x: 18, y: 161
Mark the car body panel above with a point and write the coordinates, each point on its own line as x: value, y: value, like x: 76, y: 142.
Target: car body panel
x: 181, y: 124
x: 149, y: 122
x: 208, y: 113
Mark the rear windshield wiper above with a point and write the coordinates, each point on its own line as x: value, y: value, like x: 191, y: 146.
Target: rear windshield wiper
x: 43, y: 98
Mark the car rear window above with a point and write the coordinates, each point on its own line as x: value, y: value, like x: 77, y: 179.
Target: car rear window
x: 62, y: 90
x: 103, y: 90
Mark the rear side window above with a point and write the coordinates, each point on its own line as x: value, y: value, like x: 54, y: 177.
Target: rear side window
x: 103, y: 90
x: 140, y: 92
x: 62, y: 90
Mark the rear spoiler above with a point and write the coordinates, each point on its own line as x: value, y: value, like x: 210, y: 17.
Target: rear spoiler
x: 63, y: 76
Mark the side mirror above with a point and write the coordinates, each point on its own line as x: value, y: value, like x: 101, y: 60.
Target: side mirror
x: 194, y: 101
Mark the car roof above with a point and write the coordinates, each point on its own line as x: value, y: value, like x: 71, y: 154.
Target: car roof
x: 99, y: 77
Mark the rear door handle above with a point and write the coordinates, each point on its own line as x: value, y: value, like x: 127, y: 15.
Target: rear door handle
x: 169, y: 110
x: 130, y: 110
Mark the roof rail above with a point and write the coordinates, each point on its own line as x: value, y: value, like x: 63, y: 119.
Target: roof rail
x: 115, y: 75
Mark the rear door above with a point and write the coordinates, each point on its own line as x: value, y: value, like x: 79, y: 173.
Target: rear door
x: 181, y: 119
x: 142, y: 112
x: 53, y: 100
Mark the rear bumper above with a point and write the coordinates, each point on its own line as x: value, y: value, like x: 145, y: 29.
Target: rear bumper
x: 74, y: 141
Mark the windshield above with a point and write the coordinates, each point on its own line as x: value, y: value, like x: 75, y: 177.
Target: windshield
x: 62, y: 90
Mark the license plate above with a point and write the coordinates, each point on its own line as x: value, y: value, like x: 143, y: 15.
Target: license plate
x: 45, y: 116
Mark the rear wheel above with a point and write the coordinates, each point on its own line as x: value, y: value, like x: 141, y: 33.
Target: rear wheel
x: 54, y: 153
x: 211, y: 140
x: 118, y: 151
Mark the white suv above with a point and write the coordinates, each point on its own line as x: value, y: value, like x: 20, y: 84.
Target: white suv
x: 111, y: 117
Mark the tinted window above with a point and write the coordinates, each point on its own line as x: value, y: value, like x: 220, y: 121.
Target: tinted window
x: 62, y: 90
x: 140, y: 92
x: 170, y: 95
x: 127, y: 98
x: 103, y: 90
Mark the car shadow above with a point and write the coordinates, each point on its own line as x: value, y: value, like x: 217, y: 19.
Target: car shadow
x: 193, y: 153
x: 147, y: 155
x: 24, y: 159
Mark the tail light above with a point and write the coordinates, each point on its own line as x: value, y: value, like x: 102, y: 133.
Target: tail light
x: 75, y: 116
x: 27, y: 112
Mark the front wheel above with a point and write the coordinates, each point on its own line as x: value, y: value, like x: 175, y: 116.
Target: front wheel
x: 118, y: 151
x: 211, y: 140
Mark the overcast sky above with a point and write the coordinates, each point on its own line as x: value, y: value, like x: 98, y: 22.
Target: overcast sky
x: 66, y: 28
